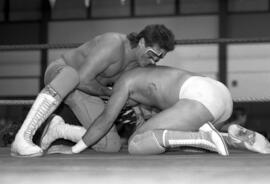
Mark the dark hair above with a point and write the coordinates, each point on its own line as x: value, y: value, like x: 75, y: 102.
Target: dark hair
x: 154, y: 34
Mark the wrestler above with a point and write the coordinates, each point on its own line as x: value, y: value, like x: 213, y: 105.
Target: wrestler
x: 81, y: 76
x: 188, y: 106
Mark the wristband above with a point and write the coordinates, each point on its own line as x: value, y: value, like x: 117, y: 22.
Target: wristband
x: 80, y: 146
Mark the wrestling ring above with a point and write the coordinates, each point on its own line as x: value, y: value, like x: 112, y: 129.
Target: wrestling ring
x: 176, y: 166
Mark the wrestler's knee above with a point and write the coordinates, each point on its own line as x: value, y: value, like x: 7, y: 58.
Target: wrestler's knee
x: 68, y: 74
x: 64, y: 81
x: 86, y: 107
x: 110, y: 143
x: 145, y: 143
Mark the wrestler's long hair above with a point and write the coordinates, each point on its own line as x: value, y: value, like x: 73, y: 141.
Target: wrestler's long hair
x: 154, y: 34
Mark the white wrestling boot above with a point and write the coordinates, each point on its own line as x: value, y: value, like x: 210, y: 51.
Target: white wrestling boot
x: 43, y: 106
x: 240, y: 137
x: 207, y: 138
x: 214, y: 141
x: 57, y: 128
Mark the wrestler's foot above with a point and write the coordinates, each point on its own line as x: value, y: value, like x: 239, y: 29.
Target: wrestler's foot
x: 24, y: 148
x: 241, y: 137
x: 50, y: 132
x: 215, y: 141
x: 46, y: 102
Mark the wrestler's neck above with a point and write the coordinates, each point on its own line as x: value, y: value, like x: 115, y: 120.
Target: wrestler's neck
x: 130, y: 56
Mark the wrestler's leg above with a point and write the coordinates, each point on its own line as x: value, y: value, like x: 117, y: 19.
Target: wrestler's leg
x: 57, y: 128
x: 185, y: 115
x: 172, y: 128
x: 64, y: 80
x: 86, y: 108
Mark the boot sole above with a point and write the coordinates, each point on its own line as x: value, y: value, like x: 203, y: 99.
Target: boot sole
x: 225, y: 151
x: 14, y: 154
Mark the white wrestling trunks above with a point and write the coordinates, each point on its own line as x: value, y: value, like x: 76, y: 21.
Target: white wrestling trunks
x: 213, y: 94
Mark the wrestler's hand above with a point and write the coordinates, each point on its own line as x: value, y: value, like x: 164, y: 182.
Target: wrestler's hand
x: 60, y: 149
x: 108, y: 91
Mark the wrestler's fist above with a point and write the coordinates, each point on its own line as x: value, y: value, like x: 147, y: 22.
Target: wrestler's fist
x: 60, y: 149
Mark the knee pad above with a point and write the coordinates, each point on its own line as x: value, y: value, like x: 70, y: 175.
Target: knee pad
x: 109, y: 143
x: 64, y: 81
x: 53, y: 69
x: 145, y: 143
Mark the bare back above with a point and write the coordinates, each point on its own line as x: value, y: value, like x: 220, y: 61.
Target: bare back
x: 156, y: 86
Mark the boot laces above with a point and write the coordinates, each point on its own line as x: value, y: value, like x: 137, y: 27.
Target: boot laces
x: 39, y: 117
x: 206, y: 144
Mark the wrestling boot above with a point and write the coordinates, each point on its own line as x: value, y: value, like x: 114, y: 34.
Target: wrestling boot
x: 46, y: 102
x: 57, y: 129
x: 213, y: 140
x: 207, y: 138
x: 240, y: 137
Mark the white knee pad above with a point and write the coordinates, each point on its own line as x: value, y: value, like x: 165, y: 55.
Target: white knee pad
x: 145, y: 143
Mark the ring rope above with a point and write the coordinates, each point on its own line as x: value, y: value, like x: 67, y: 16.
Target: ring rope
x: 178, y: 42
x: 38, y: 46
x: 16, y: 102
x: 223, y: 40
x: 11, y: 102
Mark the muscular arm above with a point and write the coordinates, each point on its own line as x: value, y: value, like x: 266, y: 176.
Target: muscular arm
x: 104, y: 122
x: 95, y: 88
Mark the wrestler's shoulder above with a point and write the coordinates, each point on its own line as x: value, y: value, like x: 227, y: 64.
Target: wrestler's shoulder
x: 112, y: 37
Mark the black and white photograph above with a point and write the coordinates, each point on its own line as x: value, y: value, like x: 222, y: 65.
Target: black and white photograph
x: 134, y: 91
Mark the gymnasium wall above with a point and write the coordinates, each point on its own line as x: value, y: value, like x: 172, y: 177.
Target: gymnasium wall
x: 248, y: 64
